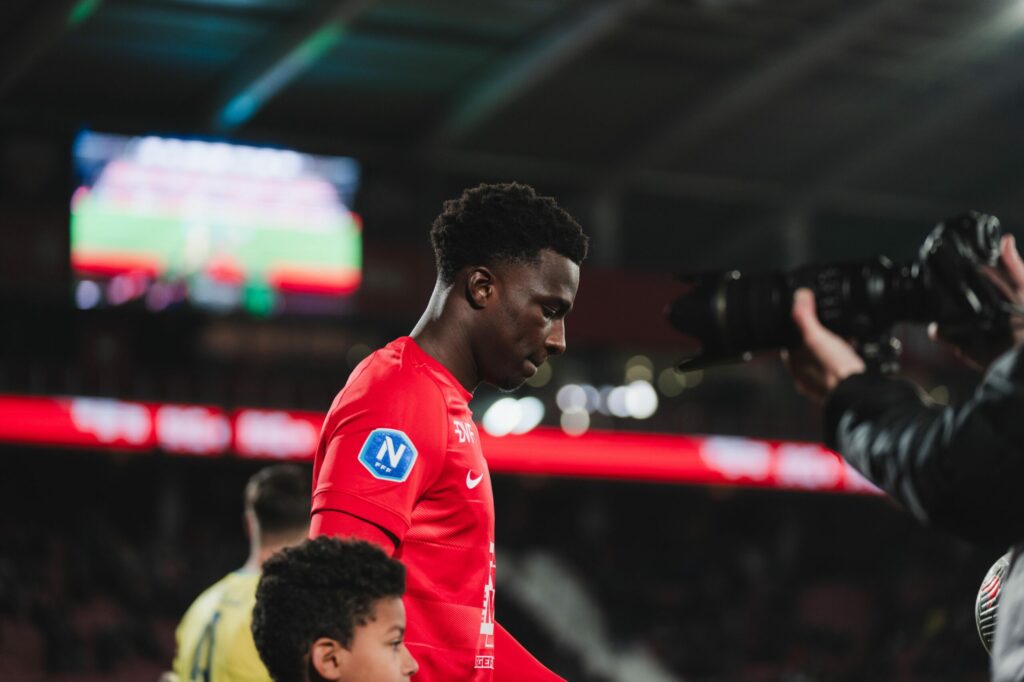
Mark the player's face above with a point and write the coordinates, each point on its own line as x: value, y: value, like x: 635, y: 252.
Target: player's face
x: 378, y: 652
x: 529, y: 320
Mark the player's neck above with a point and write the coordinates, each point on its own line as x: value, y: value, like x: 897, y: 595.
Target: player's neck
x: 260, y: 551
x: 441, y: 336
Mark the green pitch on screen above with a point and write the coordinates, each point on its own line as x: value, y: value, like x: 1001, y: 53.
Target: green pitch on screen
x: 179, y: 249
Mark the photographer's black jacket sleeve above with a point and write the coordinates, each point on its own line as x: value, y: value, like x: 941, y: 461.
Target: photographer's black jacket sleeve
x: 958, y: 468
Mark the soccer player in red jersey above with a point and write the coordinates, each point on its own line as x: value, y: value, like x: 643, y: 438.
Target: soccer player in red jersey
x: 399, y: 461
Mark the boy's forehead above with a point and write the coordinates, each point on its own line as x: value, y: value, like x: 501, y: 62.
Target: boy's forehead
x: 389, y: 611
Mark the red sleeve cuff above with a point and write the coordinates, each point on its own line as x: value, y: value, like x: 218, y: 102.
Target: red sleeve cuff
x: 389, y: 520
x: 339, y: 524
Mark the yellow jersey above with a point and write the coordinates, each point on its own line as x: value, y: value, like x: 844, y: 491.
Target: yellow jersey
x: 215, y: 637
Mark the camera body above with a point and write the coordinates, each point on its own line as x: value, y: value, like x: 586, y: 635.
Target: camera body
x: 734, y: 315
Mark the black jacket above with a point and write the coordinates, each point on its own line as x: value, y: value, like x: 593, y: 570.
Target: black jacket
x: 958, y: 468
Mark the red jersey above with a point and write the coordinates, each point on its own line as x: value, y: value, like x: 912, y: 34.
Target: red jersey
x: 399, y: 449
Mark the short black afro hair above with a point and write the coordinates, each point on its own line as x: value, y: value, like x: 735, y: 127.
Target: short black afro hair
x: 323, y: 587
x: 502, y: 223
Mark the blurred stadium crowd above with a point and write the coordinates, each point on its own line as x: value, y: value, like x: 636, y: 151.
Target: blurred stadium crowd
x: 710, y: 584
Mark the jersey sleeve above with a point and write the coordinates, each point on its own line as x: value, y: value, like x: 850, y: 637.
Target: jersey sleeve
x: 382, y: 452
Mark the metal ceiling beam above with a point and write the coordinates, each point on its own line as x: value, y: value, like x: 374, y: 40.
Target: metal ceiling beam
x: 972, y: 94
x: 737, y: 98
x: 900, y: 141
x: 264, y: 76
x: 831, y: 190
x: 530, y: 65
x: 775, y: 197
x: 715, y: 188
x: 51, y: 24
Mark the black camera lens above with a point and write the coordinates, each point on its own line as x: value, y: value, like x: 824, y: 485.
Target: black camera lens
x: 733, y: 315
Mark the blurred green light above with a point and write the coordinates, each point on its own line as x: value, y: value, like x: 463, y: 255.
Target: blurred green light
x: 82, y: 10
x: 240, y: 109
x: 318, y: 44
x: 244, y: 105
x: 259, y: 299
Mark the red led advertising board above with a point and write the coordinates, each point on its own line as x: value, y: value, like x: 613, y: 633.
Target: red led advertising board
x: 196, y: 430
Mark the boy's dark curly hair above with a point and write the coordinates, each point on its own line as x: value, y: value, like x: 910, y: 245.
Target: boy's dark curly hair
x: 323, y: 587
x: 502, y: 223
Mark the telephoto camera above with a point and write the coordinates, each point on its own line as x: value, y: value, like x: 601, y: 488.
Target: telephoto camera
x: 734, y: 315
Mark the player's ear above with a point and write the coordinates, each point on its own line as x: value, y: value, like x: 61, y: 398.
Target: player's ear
x: 328, y: 658
x: 480, y: 284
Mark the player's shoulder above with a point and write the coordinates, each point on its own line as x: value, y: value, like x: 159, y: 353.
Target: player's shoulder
x: 236, y: 586
x: 390, y: 374
x: 214, y: 592
x: 240, y: 586
x: 203, y: 606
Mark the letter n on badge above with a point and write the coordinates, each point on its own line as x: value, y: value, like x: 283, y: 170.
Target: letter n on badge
x: 388, y: 454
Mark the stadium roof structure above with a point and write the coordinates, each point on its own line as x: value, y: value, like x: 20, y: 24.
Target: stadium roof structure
x: 790, y: 123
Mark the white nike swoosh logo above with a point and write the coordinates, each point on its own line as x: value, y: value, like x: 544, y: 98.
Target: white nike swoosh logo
x: 473, y: 482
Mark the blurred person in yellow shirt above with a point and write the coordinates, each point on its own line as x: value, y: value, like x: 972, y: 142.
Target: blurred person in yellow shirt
x: 214, y: 638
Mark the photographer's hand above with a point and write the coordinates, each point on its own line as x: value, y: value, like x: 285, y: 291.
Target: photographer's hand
x: 824, y: 359
x: 1008, y: 278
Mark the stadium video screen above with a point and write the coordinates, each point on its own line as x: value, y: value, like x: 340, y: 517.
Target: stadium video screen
x: 161, y: 222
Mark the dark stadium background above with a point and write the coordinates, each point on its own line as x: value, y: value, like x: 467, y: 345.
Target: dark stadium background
x: 686, y: 135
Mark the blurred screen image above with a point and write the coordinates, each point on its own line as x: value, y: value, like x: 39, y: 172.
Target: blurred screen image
x: 159, y: 222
